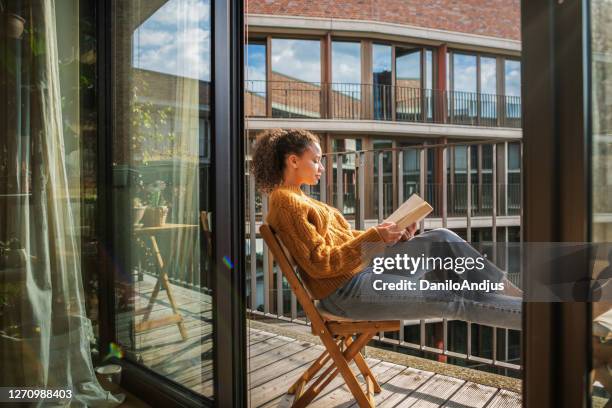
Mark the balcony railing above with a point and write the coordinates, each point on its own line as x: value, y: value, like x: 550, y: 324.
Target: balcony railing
x: 293, y: 99
x: 352, y: 186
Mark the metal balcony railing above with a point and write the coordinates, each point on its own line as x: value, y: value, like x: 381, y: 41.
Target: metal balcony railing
x: 294, y: 99
x: 354, y: 188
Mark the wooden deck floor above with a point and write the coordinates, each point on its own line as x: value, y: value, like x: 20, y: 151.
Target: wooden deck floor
x: 276, y: 361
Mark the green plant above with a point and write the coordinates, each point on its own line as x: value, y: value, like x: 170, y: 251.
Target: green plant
x: 155, y: 195
x: 151, y: 137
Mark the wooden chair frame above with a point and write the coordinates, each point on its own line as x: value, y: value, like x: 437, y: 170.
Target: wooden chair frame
x: 336, y: 334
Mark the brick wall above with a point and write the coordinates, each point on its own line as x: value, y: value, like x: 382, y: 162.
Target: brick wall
x: 496, y: 18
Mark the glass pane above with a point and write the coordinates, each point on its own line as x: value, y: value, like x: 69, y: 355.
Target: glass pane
x: 464, y: 100
x: 349, y: 174
x: 162, y: 188
x: 296, y: 78
x: 512, y: 78
x: 50, y: 263
x: 346, y: 80
x: 488, y: 88
x: 381, y: 79
x: 408, y: 84
x: 601, y: 71
x: 429, y: 73
x: 255, y: 87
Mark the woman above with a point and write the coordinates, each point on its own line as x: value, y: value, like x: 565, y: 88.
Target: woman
x: 335, y: 261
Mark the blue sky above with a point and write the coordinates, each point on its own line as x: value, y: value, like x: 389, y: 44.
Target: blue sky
x: 175, y: 40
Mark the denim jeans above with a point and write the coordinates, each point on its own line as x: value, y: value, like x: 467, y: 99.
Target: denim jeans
x: 359, y: 298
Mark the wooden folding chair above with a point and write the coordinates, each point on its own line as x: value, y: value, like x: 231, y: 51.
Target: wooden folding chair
x: 336, y: 334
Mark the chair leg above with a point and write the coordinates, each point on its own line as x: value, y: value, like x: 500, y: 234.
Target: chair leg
x: 309, y: 374
x: 341, y: 365
x: 363, y: 367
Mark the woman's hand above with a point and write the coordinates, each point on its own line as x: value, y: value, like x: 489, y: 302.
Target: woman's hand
x: 409, y: 232
x: 389, y: 232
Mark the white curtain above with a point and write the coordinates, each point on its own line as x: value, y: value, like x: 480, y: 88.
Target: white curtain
x: 48, y: 345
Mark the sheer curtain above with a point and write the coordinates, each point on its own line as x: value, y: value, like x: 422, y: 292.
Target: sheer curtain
x: 45, y: 331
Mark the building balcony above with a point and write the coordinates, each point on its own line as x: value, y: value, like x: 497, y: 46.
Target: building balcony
x: 346, y: 103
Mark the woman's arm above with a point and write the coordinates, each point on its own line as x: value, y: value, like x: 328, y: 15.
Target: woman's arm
x: 319, y: 259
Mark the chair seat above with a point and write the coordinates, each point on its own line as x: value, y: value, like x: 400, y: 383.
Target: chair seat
x: 339, y: 325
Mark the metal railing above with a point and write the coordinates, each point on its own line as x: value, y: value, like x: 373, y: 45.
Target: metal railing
x: 294, y: 99
x: 270, y: 296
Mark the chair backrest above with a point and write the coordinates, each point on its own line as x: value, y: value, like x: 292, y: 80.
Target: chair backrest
x: 283, y: 257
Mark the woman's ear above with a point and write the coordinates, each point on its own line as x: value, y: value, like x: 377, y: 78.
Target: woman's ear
x: 292, y: 160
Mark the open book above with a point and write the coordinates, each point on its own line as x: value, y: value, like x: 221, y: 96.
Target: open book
x: 413, y: 210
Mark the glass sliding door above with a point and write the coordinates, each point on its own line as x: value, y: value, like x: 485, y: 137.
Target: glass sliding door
x: 382, y: 81
x: 488, y: 91
x: 408, y: 85
x: 346, y: 89
x: 49, y: 198
x: 512, y: 86
x: 295, y: 84
x: 162, y: 188
x: 463, y: 98
x: 255, y: 81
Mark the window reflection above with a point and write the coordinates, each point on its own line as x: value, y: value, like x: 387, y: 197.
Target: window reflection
x: 296, y: 78
x: 255, y: 97
x: 464, y: 99
x: 381, y: 79
x: 512, y: 78
x: 346, y: 80
x: 162, y: 169
x: 488, y: 88
x: 408, y: 98
x: 429, y: 73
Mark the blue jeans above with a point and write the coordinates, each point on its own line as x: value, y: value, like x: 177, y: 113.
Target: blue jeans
x: 361, y: 298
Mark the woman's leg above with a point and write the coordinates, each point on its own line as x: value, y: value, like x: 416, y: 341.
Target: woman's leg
x: 399, y: 294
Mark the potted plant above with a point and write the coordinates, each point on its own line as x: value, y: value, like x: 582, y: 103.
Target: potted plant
x: 156, y: 211
x: 11, y: 25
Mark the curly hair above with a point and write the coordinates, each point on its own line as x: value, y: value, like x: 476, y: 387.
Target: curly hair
x: 271, y: 149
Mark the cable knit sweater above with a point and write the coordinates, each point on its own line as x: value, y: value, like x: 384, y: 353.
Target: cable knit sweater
x: 320, y: 240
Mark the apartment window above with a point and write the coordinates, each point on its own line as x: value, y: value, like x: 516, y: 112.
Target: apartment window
x: 429, y: 84
x: 255, y: 86
x: 512, y: 86
x: 295, y: 83
x: 382, y: 81
x: 464, y: 86
x: 349, y: 173
x: 514, y: 178
x: 408, y: 98
x: 488, y: 87
x: 346, y: 80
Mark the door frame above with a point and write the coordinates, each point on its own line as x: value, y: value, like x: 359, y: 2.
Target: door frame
x: 556, y: 81
x: 229, y: 313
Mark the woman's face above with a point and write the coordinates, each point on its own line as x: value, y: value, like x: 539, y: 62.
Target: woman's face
x: 307, y: 167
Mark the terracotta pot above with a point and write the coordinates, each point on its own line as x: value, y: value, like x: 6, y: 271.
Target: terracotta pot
x: 155, y: 216
x: 12, y: 25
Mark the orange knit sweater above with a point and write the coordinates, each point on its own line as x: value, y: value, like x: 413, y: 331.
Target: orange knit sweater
x: 320, y: 240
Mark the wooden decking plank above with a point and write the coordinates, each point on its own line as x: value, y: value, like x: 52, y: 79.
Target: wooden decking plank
x: 260, y: 362
x: 433, y: 393
x: 342, y: 397
x: 506, y: 399
x: 286, y: 400
x: 277, y: 369
x: 267, y: 345
x: 273, y: 390
x: 471, y: 395
x: 401, y: 386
